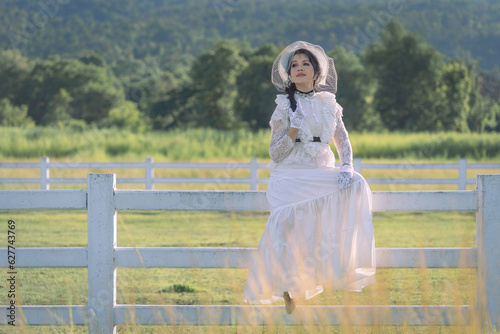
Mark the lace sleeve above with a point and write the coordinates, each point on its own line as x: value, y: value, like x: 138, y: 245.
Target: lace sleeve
x: 281, y: 144
x: 341, y: 140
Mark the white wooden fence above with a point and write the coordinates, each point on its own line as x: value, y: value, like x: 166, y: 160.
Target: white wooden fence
x: 102, y: 200
x: 149, y: 166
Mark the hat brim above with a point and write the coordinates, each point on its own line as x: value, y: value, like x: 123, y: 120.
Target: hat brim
x: 327, y: 80
x: 322, y: 61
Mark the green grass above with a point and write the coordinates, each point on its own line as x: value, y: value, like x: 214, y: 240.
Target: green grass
x: 60, y: 286
x: 209, y: 144
x: 195, y: 286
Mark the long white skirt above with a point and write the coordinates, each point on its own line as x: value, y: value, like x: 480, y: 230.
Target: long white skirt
x: 317, y: 236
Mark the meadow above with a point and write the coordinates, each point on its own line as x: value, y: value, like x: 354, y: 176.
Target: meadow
x: 62, y: 286
x: 208, y: 144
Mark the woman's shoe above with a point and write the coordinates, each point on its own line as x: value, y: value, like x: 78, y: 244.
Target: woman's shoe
x: 289, y: 303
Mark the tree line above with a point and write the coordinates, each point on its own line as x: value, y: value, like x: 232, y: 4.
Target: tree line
x: 398, y: 82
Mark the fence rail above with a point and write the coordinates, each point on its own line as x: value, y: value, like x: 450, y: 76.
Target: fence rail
x: 101, y: 199
x: 149, y: 167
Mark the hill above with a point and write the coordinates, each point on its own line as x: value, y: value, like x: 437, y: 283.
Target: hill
x: 174, y: 32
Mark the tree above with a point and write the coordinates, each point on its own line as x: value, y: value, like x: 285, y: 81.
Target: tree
x: 485, y: 114
x: 406, y: 69
x: 90, y: 91
x: 14, y: 116
x: 93, y: 59
x: 126, y: 116
x: 177, y: 110
x: 214, y: 76
x: 256, y: 92
x: 452, y: 104
x: 355, y: 91
x: 58, y: 108
x: 14, y: 69
x: 484, y: 101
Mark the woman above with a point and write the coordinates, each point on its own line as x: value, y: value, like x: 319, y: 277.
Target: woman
x: 319, y: 233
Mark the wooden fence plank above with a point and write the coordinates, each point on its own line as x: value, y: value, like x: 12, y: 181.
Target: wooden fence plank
x: 453, y: 200
x: 66, y: 199
x: 235, y: 257
x: 48, y: 257
x: 48, y: 315
x: 256, y: 200
x: 306, y: 314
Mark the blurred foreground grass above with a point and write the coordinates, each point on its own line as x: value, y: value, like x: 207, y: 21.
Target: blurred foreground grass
x: 193, y: 286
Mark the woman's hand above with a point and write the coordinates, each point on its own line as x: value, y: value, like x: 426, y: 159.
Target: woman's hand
x: 297, y: 116
x: 345, y: 176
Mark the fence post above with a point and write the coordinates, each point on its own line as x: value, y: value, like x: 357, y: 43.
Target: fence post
x: 150, y: 173
x: 488, y: 252
x: 462, y: 174
x: 254, y: 170
x: 101, y: 259
x: 44, y: 173
x: 357, y: 165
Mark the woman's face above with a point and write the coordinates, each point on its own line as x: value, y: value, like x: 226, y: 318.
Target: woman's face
x: 302, y: 71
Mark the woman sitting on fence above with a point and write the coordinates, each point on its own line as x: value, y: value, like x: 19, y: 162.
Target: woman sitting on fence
x: 319, y: 233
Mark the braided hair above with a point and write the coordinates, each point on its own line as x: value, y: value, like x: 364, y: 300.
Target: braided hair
x: 291, y: 87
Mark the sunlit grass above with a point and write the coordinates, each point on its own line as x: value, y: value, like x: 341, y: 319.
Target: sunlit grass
x: 209, y: 144
x: 61, y: 286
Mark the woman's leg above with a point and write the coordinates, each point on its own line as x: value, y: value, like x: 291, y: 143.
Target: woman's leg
x: 289, y: 302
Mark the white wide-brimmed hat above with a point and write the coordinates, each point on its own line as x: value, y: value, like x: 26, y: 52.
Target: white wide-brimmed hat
x: 327, y: 80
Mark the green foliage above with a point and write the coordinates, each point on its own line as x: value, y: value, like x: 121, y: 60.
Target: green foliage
x: 14, y: 116
x: 175, y: 32
x: 399, y: 83
x: 73, y: 125
x: 452, y: 101
x: 127, y: 117
x: 214, y: 77
x: 178, y: 288
x: 58, y: 108
x: 175, y: 111
x: 485, y: 102
x: 355, y: 91
x: 93, y: 59
x: 145, y: 83
x: 485, y: 115
x: 72, y: 141
x: 61, y: 88
x: 256, y: 92
x: 14, y: 70
x: 406, y: 69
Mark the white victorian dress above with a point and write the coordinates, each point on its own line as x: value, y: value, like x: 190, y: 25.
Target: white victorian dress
x: 317, y: 236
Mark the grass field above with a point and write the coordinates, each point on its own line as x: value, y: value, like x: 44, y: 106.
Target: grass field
x: 234, y: 229
x: 225, y: 286
x: 208, y: 144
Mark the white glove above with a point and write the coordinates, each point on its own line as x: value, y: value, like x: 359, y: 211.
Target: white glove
x: 345, y: 176
x: 297, y: 116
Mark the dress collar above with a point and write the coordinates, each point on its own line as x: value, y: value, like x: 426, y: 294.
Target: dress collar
x: 305, y: 94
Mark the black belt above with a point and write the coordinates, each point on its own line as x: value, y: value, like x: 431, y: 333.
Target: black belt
x: 315, y: 139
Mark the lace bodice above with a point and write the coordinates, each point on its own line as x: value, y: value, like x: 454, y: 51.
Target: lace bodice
x: 324, y: 120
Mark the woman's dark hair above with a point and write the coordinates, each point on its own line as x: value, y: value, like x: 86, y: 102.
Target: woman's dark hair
x: 290, y: 90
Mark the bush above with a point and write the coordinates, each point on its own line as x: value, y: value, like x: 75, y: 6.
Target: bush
x: 11, y: 115
x: 127, y: 117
